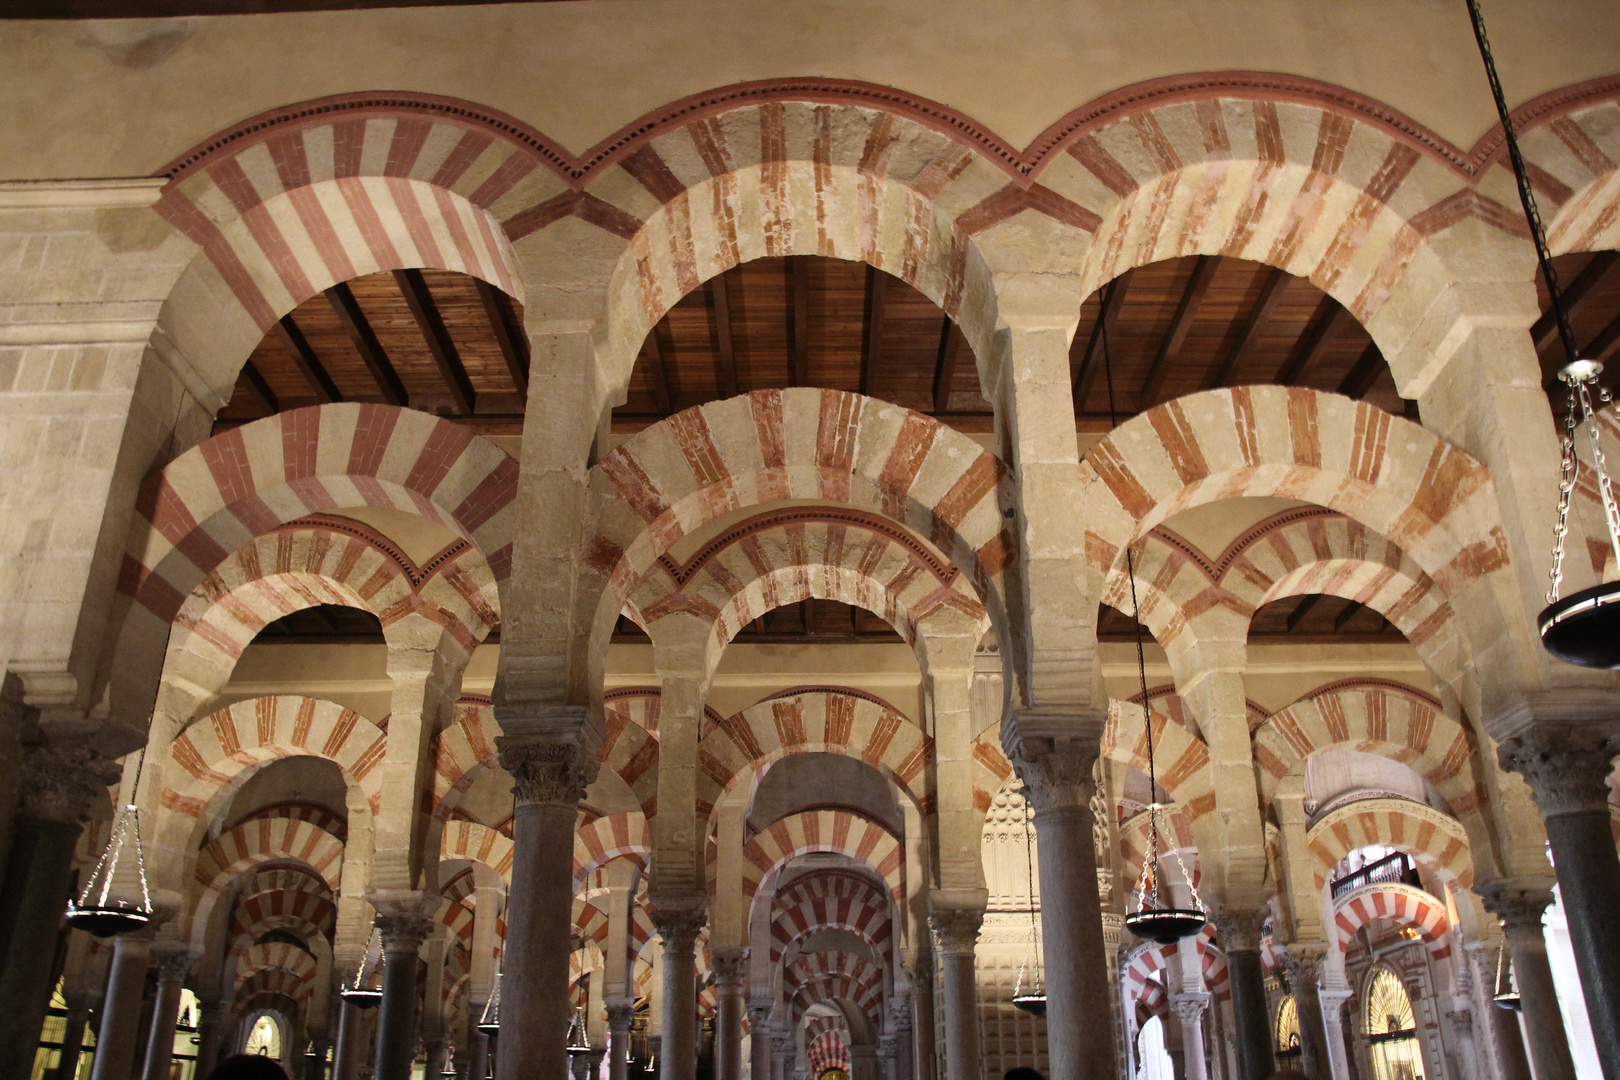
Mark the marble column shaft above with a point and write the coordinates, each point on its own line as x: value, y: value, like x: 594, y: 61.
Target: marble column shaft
x: 551, y: 778
x: 1521, y: 907
x: 172, y: 968
x: 1189, y: 1008
x: 1303, y: 961
x: 210, y: 1031
x: 921, y: 971
x: 1079, y: 1011
x: 121, y: 1011
x: 759, y: 1041
x: 1251, y: 1016
x: 1568, y: 770
x: 402, y: 935
x: 958, y: 932
x: 1511, y: 1060
x: 728, y: 974
x: 619, y: 1014
x: 679, y: 927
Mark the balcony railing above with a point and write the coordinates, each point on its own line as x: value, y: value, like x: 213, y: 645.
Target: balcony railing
x: 1396, y: 869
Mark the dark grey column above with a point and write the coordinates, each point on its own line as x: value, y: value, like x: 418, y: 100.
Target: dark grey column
x: 1511, y: 1062
x: 1567, y: 770
x: 78, y: 1012
x: 404, y: 928
x: 1303, y: 961
x: 759, y: 1041
x: 58, y: 786
x: 679, y: 927
x: 551, y: 775
x: 1079, y: 1012
x: 210, y: 1029
x: 121, y: 1014
x: 1251, y: 1019
x: 1520, y: 905
x: 904, y: 1060
x: 173, y: 962
x: 728, y: 975
x: 478, y: 1042
x: 958, y: 933
x: 920, y: 966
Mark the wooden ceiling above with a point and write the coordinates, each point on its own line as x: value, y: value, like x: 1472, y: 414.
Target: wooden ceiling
x: 1312, y: 619
x: 147, y: 9
x: 1590, y: 283
x: 452, y: 345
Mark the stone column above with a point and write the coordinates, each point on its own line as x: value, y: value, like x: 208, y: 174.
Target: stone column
x: 1189, y: 1009
x: 783, y: 1049
x: 78, y: 1011
x: 921, y: 971
x: 759, y: 1040
x: 551, y: 774
x: 903, y: 1062
x: 1520, y: 905
x: 728, y: 973
x: 350, y: 1043
x: 1304, y: 961
x: 478, y: 1044
x: 1058, y: 781
x: 1332, y: 999
x: 121, y: 1012
x: 173, y: 962
x: 58, y: 786
x: 958, y: 932
x: 863, y: 1062
x: 1567, y: 770
x: 619, y: 1014
x: 433, y: 1068
x: 1251, y: 1018
x: 1511, y: 1062
x: 404, y: 927
x: 210, y: 1028
x: 679, y: 926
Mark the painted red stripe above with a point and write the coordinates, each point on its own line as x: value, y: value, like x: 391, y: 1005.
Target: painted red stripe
x: 416, y: 223
x: 180, y: 212
x: 370, y: 223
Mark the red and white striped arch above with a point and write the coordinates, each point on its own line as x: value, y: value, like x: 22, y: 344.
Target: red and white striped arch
x: 866, y: 915
x: 274, y: 956
x: 1181, y: 759
x: 301, y: 910
x: 1574, y: 156
x: 1400, y: 904
x: 225, y: 858
x: 830, y: 976
x: 614, y: 836
x: 851, y: 723
x: 630, y: 744
x: 825, y: 1045
x: 462, y: 750
x: 1376, y: 716
x: 477, y: 843
x: 835, y: 831
x: 1148, y: 960
x: 1435, y: 840
x: 273, y: 983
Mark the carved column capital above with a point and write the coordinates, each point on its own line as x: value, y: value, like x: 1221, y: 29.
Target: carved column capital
x: 957, y: 929
x: 619, y: 1015
x: 730, y: 964
x: 1567, y: 768
x: 1303, y: 960
x: 173, y: 961
x: 679, y: 926
x: 900, y: 1013
x: 1519, y: 903
x: 759, y: 1015
x: 404, y: 919
x: 62, y: 783
x: 1190, y: 1006
x: 1240, y: 930
x: 1056, y: 770
x: 552, y: 772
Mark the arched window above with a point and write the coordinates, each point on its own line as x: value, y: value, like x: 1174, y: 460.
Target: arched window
x: 1391, y: 1028
x: 1287, y: 1030
x: 264, y: 1038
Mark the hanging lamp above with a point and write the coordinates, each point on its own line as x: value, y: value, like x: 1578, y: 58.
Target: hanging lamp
x: 1506, y: 992
x: 1584, y: 627
x: 116, y: 900
x: 361, y: 994
x: 1033, y: 998
x: 490, y: 1022
x: 579, y: 1040
x: 1164, y: 925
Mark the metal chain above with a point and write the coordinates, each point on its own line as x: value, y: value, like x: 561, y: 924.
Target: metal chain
x: 1611, y: 512
x: 1566, y: 485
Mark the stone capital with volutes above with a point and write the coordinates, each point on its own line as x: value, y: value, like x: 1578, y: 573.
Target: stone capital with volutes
x: 173, y: 960
x: 63, y: 782
x: 1519, y: 902
x: 1240, y: 929
x: 619, y: 1014
x: 1054, y: 751
x: 1189, y: 1006
x: 730, y: 964
x: 956, y: 928
x: 550, y: 750
x: 1303, y: 961
x: 1566, y: 766
x: 679, y: 921
x: 759, y: 1014
x: 404, y: 918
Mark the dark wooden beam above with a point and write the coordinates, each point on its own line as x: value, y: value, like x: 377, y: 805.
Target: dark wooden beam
x: 509, y: 334
x: 1297, y: 616
x: 877, y: 286
x: 1574, y: 294
x: 419, y: 299
x: 945, y: 368
x: 1312, y: 343
x: 1351, y: 610
x: 306, y: 359
x: 255, y: 379
x: 1363, y: 373
x: 354, y: 321
x: 1270, y: 293
x: 799, y: 321
x: 1085, y: 374
x: 658, y: 372
x: 1602, y: 347
x: 724, y: 349
x: 1186, y: 311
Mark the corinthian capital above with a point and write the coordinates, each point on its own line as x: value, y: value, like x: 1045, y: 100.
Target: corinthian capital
x: 1303, y: 960
x: 958, y: 928
x: 1566, y: 767
x: 545, y: 771
x: 1240, y: 930
x: 62, y: 783
x: 1054, y: 754
x: 404, y: 919
x: 679, y: 925
x: 1519, y: 902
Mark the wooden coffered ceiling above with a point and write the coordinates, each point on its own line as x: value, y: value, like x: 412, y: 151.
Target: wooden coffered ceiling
x: 453, y: 345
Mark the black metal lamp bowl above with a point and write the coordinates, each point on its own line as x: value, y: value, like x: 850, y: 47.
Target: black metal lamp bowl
x: 1034, y: 1004
x: 1584, y: 628
x: 1165, y: 926
x: 490, y: 1027
x: 106, y: 920
x: 361, y: 997
x: 1509, y: 1000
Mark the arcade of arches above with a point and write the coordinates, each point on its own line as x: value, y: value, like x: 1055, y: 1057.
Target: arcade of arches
x: 665, y: 539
